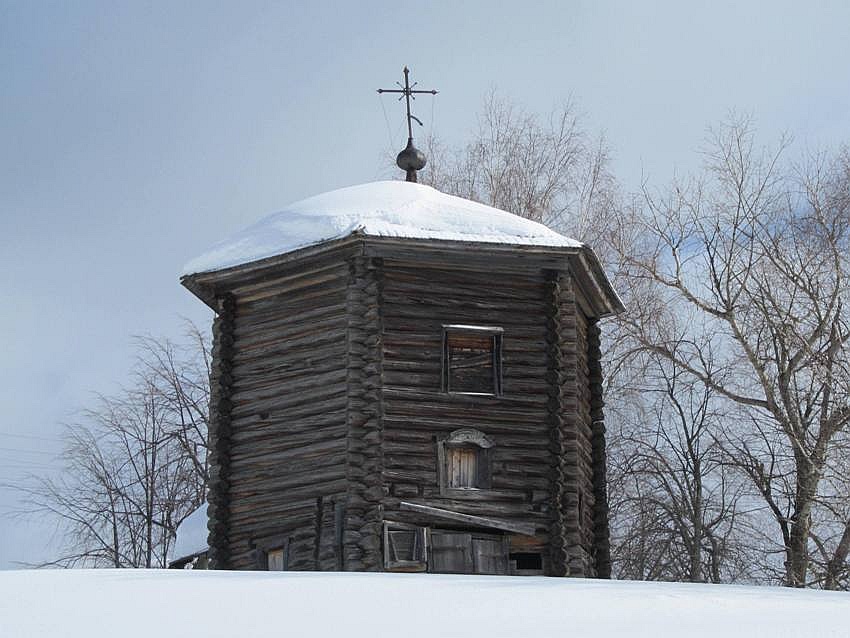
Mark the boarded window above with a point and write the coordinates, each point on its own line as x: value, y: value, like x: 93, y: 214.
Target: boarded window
x: 464, y: 462
x: 404, y: 547
x: 277, y: 560
x: 472, y: 360
x: 463, y: 470
x: 271, y: 553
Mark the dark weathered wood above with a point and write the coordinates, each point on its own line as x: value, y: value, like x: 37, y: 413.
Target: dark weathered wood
x: 583, y: 464
x: 490, y: 555
x: 477, y: 521
x: 288, y: 398
x: 557, y: 288
x: 451, y: 553
x: 601, y: 534
x: 320, y: 504
x: 331, y: 406
x: 571, y: 551
x: 365, y: 417
x: 220, y: 428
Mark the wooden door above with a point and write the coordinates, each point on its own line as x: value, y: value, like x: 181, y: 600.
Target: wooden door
x: 451, y: 553
x: 489, y: 556
x: 462, y: 553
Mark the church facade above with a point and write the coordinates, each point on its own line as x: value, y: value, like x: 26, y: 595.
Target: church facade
x: 406, y: 381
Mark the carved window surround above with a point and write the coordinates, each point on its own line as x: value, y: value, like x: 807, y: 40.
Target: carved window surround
x: 464, y: 462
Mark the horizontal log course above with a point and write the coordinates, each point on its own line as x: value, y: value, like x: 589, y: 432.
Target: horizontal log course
x: 296, y: 296
x: 305, y: 346
x: 273, y: 425
x: 269, y: 453
x: 293, y: 281
x: 335, y: 402
x: 319, y: 399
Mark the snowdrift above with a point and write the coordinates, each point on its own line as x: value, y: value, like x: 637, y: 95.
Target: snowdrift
x: 185, y: 603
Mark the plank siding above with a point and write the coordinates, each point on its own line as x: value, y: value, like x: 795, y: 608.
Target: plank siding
x: 289, y: 401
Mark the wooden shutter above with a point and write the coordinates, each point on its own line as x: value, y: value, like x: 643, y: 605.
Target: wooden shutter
x: 464, y: 461
x: 464, y: 467
x: 451, y: 553
x: 277, y: 560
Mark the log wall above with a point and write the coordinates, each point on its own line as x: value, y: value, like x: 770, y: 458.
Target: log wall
x: 417, y: 302
x: 289, y: 398
x: 601, y: 535
x: 363, y: 520
x: 568, y: 416
x: 329, y: 407
x: 221, y: 383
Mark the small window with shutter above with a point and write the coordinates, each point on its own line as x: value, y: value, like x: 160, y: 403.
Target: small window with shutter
x: 405, y: 547
x: 472, y: 360
x: 271, y: 553
x: 463, y: 467
x: 463, y: 460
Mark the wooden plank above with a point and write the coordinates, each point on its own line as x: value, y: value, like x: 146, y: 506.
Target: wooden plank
x: 489, y: 556
x: 450, y: 553
x: 479, y: 521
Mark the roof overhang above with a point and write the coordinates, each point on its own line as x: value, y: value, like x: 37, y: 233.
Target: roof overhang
x: 601, y: 298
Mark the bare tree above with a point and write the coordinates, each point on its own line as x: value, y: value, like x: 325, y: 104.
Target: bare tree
x: 677, y: 507
x: 135, y: 465
x: 754, y: 259
x: 547, y: 170
x: 674, y: 509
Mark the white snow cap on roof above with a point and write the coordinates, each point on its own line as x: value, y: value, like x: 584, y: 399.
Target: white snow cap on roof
x: 192, y: 534
x: 381, y: 209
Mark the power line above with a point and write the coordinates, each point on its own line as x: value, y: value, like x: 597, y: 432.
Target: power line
x: 28, y: 436
x: 26, y: 451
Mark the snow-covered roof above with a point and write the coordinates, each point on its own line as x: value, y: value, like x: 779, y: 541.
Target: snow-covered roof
x: 191, y: 534
x: 192, y: 603
x: 381, y: 209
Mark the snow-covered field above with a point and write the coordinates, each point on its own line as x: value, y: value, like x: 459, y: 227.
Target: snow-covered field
x: 140, y: 603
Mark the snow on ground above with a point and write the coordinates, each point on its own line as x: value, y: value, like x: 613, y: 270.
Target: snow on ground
x: 383, y: 209
x: 192, y: 534
x: 186, y: 603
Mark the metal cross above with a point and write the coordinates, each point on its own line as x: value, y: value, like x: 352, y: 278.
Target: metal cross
x: 408, y: 93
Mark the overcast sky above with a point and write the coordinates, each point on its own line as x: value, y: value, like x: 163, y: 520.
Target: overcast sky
x: 133, y: 135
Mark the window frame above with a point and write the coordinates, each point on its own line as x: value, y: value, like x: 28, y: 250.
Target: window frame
x: 264, y: 546
x: 465, y: 438
x: 420, y: 548
x: 496, y: 333
x: 284, y: 559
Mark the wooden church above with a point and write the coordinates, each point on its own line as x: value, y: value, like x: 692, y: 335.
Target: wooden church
x: 407, y: 381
